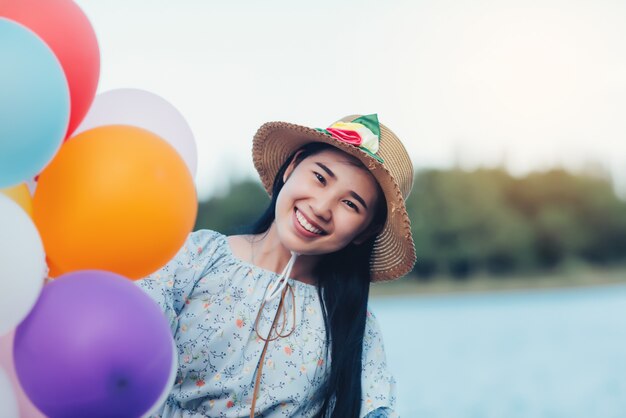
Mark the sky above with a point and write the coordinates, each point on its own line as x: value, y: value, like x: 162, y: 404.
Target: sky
x: 472, y: 83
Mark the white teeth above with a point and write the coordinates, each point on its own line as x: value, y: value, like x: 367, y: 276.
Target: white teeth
x: 306, y: 225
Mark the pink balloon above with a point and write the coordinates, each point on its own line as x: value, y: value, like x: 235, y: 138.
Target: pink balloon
x: 27, y: 409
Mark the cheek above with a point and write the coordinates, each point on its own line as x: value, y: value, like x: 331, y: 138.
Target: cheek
x: 293, y: 190
x: 349, y: 226
x: 284, y: 202
x: 280, y: 204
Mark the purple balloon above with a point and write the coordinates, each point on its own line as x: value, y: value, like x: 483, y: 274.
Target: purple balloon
x: 94, y: 345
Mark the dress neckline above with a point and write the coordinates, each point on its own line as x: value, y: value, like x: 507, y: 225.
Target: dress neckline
x: 244, y: 263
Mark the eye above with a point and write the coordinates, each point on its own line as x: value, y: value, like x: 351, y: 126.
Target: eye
x: 351, y: 205
x: 320, y: 178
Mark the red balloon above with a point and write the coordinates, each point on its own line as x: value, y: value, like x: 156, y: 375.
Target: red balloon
x: 67, y: 31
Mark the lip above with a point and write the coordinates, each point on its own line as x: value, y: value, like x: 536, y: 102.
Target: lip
x: 310, y: 221
x: 300, y: 229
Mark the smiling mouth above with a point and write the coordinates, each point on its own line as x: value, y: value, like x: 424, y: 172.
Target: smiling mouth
x: 307, y: 225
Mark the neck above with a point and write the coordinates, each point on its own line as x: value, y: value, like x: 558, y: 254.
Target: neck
x: 269, y: 253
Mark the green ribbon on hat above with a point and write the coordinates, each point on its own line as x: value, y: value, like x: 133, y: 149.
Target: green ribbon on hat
x: 370, y: 122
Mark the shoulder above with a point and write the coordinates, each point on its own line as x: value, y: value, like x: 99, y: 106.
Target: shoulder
x: 205, y: 236
x: 373, y: 344
x: 372, y: 327
x: 239, y: 245
x: 204, y: 239
x: 204, y: 244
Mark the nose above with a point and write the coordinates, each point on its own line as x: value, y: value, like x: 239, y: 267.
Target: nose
x: 322, y: 209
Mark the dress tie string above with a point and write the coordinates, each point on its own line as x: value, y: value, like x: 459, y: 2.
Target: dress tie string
x: 282, y: 279
x: 281, y: 288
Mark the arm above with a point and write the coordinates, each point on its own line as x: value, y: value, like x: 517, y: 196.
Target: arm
x: 381, y: 413
x: 171, y: 285
x: 378, y: 384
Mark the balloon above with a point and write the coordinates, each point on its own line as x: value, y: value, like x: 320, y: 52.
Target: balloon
x: 158, y: 405
x: 22, y: 264
x: 8, y: 404
x: 94, y: 345
x: 53, y: 271
x: 20, y: 195
x: 32, y: 185
x: 116, y: 198
x: 145, y: 110
x: 34, y: 104
x: 66, y: 29
x: 26, y: 408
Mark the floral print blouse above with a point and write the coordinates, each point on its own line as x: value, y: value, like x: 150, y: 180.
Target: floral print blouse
x: 211, y: 299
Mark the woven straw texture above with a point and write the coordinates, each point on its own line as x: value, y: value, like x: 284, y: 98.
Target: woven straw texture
x: 394, y: 252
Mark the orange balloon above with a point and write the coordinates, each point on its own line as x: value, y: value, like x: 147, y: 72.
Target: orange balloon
x: 20, y: 195
x: 53, y: 271
x: 115, y: 198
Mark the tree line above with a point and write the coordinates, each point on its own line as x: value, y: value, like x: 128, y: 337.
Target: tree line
x: 482, y: 221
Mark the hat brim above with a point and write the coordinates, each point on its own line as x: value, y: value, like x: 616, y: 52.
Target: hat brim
x: 394, y: 252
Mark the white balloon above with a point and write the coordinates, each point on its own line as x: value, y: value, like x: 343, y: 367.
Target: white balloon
x: 8, y: 403
x: 32, y: 186
x: 145, y: 110
x: 158, y: 405
x: 22, y: 264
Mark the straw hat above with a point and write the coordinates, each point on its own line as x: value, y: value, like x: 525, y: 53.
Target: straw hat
x: 380, y: 151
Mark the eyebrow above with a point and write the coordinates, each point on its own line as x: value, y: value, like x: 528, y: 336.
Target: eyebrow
x: 352, y: 193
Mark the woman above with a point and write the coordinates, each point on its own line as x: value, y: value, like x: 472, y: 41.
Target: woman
x: 253, y: 342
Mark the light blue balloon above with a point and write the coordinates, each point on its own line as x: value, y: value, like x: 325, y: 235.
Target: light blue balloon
x: 34, y: 104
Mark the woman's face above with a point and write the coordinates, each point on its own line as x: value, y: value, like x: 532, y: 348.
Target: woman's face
x: 326, y: 203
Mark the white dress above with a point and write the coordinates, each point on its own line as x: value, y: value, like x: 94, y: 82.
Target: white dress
x: 211, y: 299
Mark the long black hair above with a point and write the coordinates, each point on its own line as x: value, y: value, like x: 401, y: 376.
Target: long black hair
x: 343, y: 280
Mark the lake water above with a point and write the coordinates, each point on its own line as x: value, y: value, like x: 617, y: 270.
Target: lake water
x: 552, y: 354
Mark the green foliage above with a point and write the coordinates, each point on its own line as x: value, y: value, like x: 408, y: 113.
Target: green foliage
x: 461, y: 223
x: 484, y: 220
x: 487, y: 220
x: 572, y: 216
x: 244, y: 202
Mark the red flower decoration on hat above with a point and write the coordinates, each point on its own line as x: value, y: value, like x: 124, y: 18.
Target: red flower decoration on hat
x: 351, y: 137
x: 363, y: 132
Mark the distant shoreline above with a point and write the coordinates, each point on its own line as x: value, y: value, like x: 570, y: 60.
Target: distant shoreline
x: 410, y: 286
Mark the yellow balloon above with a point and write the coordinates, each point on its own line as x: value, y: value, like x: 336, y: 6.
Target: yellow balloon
x: 21, y: 195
